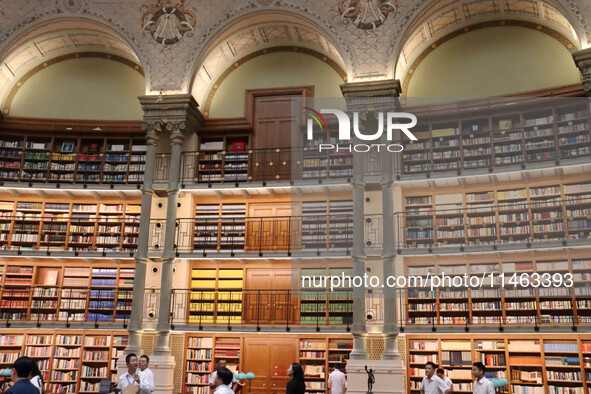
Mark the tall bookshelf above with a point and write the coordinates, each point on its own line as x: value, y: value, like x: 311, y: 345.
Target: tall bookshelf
x: 539, y: 213
x: 70, y: 362
x: 320, y: 306
x: 313, y: 356
x: 503, y: 137
x: 198, y: 364
x: 492, y: 304
x: 540, y: 363
x: 53, y: 225
x: 216, y: 296
x: 72, y: 159
x: 220, y: 227
x: 66, y: 292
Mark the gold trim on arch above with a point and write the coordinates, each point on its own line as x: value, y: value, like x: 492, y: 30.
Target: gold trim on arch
x: 568, y: 44
x: 77, y: 55
x: 265, y: 51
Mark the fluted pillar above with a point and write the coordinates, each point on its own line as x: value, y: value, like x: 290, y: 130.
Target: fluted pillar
x: 153, y: 130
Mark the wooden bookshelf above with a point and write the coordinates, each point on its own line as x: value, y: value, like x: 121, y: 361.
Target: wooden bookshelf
x: 216, y: 295
x: 502, y: 215
x: 72, y: 159
x: 198, y: 364
x: 70, y: 362
x: 319, y: 306
x: 503, y: 137
x: 53, y: 225
x: 220, y: 227
x: 66, y: 292
x: 494, y: 304
x: 536, y: 363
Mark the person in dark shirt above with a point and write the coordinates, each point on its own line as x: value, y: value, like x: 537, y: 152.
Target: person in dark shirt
x: 297, y: 384
x: 21, y: 369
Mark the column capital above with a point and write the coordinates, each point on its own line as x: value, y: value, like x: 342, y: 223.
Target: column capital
x: 379, y: 95
x: 177, y: 114
x: 583, y: 61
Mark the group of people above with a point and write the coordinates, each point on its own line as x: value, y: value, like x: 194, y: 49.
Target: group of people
x: 337, y: 380
x: 26, y: 377
x: 138, y: 375
x: 435, y: 381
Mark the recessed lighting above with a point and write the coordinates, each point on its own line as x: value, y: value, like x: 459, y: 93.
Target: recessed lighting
x: 69, y: 128
x: 97, y: 129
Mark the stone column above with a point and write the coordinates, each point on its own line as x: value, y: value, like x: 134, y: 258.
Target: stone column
x: 373, y: 98
x: 153, y: 128
x: 168, y: 254
x: 179, y: 116
x: 583, y: 62
x: 358, y: 329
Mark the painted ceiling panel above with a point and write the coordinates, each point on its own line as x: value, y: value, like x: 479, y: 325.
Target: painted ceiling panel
x: 20, y: 59
x: 479, y: 7
x: 51, y: 44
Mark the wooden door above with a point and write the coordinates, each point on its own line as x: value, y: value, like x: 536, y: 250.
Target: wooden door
x: 272, y: 128
x: 268, y: 298
x: 269, y: 227
x: 269, y: 358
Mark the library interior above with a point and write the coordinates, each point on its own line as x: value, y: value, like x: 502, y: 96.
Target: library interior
x: 161, y: 195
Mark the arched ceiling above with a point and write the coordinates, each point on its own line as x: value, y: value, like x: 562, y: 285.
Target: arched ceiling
x: 257, y: 33
x: 55, y: 40
x: 446, y: 16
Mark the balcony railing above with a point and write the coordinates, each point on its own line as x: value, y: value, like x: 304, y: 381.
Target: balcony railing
x: 287, y: 234
x: 76, y: 304
x: 34, y: 166
x: 513, y: 222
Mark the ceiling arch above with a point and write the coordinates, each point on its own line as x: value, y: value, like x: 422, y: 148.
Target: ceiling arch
x: 257, y: 33
x: 441, y: 19
x: 58, y: 39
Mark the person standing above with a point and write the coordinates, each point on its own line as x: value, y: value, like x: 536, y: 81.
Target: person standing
x: 223, y: 379
x: 221, y: 364
x: 146, y: 375
x: 20, y: 372
x: 432, y: 384
x: 482, y: 385
x: 446, y: 380
x: 131, y: 376
x: 36, y: 378
x: 337, y: 381
x: 297, y: 384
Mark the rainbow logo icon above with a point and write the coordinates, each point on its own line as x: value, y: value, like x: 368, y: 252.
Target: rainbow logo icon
x: 317, y: 117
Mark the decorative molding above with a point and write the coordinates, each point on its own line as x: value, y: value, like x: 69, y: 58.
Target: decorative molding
x: 583, y: 61
x: 177, y: 114
x: 168, y: 22
x: 356, y: 11
x: 59, y: 59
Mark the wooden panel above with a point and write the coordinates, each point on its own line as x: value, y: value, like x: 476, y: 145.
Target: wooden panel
x: 257, y: 359
x: 272, y: 230
x: 269, y: 359
x: 267, y: 306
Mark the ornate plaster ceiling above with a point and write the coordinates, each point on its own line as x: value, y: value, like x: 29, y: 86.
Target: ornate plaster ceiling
x: 256, y: 34
x: 55, y: 40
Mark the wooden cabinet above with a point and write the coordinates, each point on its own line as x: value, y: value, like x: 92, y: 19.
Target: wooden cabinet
x: 269, y: 359
x: 269, y: 227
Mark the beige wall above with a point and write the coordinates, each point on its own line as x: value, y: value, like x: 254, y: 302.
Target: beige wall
x: 493, y: 61
x: 85, y: 88
x: 273, y: 70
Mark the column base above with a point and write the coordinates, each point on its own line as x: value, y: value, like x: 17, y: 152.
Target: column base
x: 163, y: 369
x: 388, y: 374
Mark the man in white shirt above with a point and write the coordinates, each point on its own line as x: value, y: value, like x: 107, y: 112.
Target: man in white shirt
x: 131, y: 376
x: 432, y: 384
x: 482, y: 385
x: 337, y: 381
x: 146, y: 375
x: 221, y: 364
x: 446, y: 380
x: 223, y: 379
